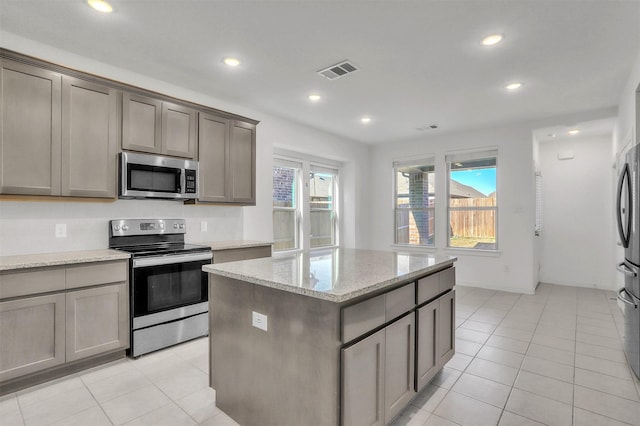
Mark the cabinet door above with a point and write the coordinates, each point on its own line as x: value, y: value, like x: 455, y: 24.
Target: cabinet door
x: 363, y: 381
x: 427, y: 343
x: 399, y: 364
x: 88, y: 139
x: 32, y: 335
x: 178, y: 131
x: 242, y: 163
x: 141, y: 118
x: 446, y: 328
x: 29, y: 130
x: 97, y: 321
x: 213, y: 150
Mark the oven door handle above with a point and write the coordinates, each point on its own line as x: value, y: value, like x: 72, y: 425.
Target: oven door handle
x: 168, y: 260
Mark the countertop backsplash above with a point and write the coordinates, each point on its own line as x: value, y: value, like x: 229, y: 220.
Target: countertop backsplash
x: 28, y: 227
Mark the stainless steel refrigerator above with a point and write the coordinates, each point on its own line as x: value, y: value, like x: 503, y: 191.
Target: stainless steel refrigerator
x: 628, y: 215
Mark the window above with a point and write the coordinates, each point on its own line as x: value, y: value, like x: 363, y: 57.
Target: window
x: 322, y: 205
x: 286, y: 193
x: 472, y: 194
x: 305, y: 214
x: 414, y: 202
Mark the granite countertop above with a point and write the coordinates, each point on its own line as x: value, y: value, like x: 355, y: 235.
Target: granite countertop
x: 38, y: 260
x: 336, y: 275
x: 235, y: 244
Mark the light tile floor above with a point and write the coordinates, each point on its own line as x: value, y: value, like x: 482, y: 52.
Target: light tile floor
x: 554, y: 358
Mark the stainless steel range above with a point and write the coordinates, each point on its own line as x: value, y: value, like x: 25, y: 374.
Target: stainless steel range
x: 169, y: 293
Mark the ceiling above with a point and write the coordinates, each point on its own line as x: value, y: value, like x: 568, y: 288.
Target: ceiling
x: 420, y: 62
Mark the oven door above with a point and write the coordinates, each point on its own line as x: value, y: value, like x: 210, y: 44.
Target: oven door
x: 166, y: 288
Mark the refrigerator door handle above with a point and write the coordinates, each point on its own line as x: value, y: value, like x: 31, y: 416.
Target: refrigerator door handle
x: 622, y: 267
x: 624, y: 176
x: 621, y: 296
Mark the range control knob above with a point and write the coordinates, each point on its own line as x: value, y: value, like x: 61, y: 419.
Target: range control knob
x: 175, y: 226
x: 182, y: 226
x: 116, y: 227
x: 125, y: 227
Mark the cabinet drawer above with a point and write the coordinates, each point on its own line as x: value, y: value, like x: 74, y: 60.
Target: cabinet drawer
x: 97, y: 273
x: 447, y: 279
x: 257, y: 252
x: 26, y: 283
x: 399, y: 301
x: 362, y: 317
x: 435, y: 284
x: 428, y: 287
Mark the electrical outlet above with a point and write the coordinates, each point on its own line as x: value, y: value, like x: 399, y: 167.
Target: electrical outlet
x: 203, y: 226
x: 61, y: 230
x: 259, y: 320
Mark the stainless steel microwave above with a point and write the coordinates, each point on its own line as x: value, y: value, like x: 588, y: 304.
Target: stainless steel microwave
x: 154, y: 176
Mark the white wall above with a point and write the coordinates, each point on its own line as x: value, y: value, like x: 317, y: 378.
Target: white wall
x: 577, y: 214
x: 28, y: 227
x: 513, y: 268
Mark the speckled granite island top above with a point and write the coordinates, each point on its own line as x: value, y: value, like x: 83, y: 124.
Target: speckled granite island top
x: 336, y: 275
x: 39, y: 260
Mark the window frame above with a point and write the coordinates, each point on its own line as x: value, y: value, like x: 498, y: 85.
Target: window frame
x: 297, y: 166
x: 418, y: 162
x: 455, y: 157
x: 307, y: 165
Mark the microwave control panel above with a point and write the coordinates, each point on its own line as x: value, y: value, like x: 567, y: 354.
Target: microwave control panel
x: 190, y: 181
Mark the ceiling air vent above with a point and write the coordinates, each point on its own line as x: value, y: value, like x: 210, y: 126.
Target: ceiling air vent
x: 338, y: 70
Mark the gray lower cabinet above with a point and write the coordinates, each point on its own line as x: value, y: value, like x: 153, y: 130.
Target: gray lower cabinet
x: 30, y: 129
x: 378, y: 374
x: 399, y: 364
x: 156, y: 127
x: 32, y: 335
x: 89, y: 139
x: 447, y: 327
x: 97, y: 321
x: 363, y: 382
x: 53, y: 316
x: 234, y: 255
x: 427, y: 343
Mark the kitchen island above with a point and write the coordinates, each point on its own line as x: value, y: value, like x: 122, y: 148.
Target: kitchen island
x: 341, y: 336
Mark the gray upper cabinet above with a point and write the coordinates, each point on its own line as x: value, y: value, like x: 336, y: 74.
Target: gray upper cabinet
x: 227, y: 158
x: 89, y: 139
x: 213, y: 149
x: 178, y: 130
x: 141, y: 118
x: 58, y: 134
x: 242, y: 161
x: 156, y: 127
x: 30, y: 129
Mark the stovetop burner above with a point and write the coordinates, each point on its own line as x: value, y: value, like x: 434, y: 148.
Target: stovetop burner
x: 151, y: 237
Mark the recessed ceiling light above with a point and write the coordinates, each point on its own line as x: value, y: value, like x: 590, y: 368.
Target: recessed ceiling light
x: 573, y: 132
x: 314, y: 97
x: 100, y: 6
x: 492, y: 39
x: 232, y: 62
x: 513, y: 86
x: 365, y: 120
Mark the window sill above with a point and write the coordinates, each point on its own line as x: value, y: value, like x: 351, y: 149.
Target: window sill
x: 473, y: 252
x: 416, y: 248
